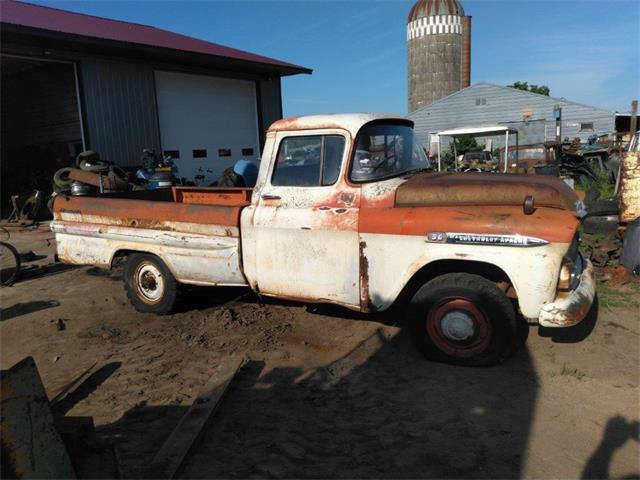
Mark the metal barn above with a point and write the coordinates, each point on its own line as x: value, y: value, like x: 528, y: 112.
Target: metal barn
x: 72, y: 82
x: 531, y: 114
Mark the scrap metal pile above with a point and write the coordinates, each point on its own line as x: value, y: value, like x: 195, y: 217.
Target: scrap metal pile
x: 613, y: 229
x: 90, y: 175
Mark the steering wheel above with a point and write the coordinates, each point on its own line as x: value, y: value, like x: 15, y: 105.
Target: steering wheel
x: 385, y: 161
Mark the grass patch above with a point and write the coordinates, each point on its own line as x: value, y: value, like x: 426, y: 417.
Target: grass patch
x: 572, y: 372
x: 593, y: 237
x: 610, y: 297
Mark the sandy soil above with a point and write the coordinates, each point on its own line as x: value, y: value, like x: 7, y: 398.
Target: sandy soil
x: 562, y: 410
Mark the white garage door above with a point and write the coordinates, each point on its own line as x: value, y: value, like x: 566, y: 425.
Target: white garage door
x: 206, y: 123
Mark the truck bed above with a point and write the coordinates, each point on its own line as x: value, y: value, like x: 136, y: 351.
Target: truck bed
x: 194, y: 230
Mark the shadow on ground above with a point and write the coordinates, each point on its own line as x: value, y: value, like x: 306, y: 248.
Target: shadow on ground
x: 23, y: 308
x: 616, y: 433
x: 393, y: 416
x: 38, y: 271
x: 390, y: 414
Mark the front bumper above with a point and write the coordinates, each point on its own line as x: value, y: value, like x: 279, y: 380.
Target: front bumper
x: 570, y: 308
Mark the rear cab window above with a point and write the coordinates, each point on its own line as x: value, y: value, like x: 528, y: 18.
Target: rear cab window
x: 308, y: 161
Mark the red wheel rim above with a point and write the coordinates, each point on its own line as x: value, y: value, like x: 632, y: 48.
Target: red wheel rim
x: 458, y: 327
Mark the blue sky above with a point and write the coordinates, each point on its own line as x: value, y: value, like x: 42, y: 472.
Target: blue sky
x: 584, y: 50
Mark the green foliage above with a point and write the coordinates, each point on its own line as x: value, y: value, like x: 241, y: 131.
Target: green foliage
x: 572, y: 372
x: 604, y: 184
x: 463, y: 145
x: 540, y: 89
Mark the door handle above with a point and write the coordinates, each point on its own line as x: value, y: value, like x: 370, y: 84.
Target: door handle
x: 269, y: 196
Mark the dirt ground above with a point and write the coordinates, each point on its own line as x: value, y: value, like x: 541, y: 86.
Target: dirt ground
x: 556, y: 410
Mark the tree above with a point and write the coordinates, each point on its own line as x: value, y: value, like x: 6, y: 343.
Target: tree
x: 463, y: 145
x: 539, y: 89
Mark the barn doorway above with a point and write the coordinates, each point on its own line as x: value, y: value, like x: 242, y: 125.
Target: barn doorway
x: 40, y: 125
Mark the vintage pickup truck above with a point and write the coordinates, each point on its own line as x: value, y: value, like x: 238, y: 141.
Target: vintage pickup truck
x: 346, y: 211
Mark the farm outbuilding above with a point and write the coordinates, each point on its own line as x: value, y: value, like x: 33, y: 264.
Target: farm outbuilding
x: 72, y: 82
x: 531, y: 114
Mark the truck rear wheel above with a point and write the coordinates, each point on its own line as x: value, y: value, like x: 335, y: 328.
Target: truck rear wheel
x: 463, y: 319
x: 150, y: 286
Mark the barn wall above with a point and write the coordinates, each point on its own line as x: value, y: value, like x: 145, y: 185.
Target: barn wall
x: 120, y: 109
x: 484, y: 104
x: 270, y: 99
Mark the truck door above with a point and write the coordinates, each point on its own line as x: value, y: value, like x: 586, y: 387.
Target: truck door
x: 305, y: 224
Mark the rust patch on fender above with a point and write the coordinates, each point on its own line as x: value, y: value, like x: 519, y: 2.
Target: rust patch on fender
x: 347, y: 198
x: 365, y: 301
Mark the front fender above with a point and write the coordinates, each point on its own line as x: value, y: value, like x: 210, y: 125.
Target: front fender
x: 393, y: 260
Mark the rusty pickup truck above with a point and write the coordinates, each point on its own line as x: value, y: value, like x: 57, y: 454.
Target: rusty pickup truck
x: 346, y: 211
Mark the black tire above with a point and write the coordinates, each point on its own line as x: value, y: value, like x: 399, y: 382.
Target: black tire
x: 463, y: 319
x: 61, y: 178
x: 150, y: 286
x: 95, y: 166
x: 9, y: 264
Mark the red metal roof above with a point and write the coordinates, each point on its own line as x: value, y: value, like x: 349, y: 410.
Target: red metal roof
x: 53, y: 19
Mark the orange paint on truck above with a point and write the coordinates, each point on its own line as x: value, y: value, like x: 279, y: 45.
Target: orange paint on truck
x: 550, y: 224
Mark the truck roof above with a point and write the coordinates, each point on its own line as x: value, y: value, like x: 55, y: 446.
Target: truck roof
x: 352, y: 122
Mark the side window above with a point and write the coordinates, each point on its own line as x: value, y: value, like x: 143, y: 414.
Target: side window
x: 333, y: 150
x: 309, y: 161
x: 298, y: 162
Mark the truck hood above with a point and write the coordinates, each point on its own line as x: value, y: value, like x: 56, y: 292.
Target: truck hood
x: 442, y: 189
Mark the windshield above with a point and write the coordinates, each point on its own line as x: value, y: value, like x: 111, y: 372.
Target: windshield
x: 384, y: 151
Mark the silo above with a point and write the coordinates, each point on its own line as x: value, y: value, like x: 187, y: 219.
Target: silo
x: 439, y: 51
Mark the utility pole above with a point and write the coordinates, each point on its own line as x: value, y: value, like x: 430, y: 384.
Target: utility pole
x: 557, y: 114
x: 633, y: 125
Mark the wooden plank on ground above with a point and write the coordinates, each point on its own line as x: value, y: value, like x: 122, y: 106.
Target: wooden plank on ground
x: 63, y: 392
x: 188, y: 431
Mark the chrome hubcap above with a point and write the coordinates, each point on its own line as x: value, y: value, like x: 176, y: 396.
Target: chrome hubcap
x: 457, y: 325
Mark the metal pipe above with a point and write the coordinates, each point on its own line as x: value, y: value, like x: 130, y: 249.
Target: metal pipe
x: 506, y: 151
x: 633, y: 120
x: 455, y: 153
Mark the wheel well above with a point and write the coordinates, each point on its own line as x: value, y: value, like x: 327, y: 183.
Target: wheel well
x: 440, y: 267
x: 120, y: 255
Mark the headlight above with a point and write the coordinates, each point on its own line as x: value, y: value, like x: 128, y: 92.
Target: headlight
x: 570, y: 273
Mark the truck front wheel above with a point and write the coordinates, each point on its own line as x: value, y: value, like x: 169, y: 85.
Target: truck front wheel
x: 150, y: 286
x: 463, y: 319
